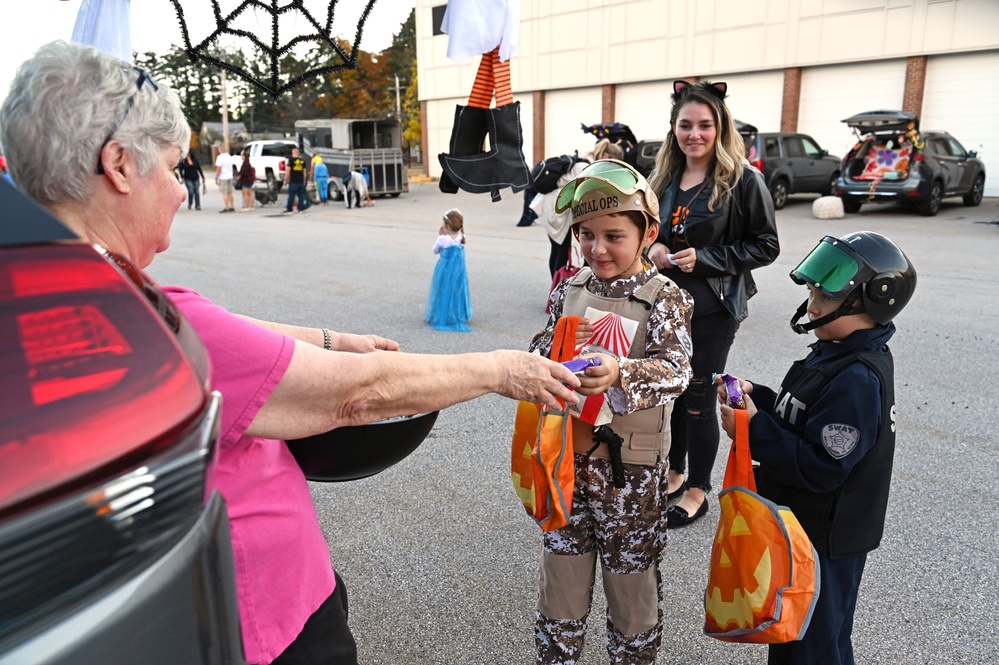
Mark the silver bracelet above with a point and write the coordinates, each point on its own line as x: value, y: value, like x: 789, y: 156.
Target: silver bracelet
x: 327, y: 339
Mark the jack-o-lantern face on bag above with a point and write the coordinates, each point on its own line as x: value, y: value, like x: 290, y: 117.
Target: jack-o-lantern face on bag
x: 747, y: 568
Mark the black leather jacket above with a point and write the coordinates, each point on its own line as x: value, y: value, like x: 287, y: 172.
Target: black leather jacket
x: 730, y: 242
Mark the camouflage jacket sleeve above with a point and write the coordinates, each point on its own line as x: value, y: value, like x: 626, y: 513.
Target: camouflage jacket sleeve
x: 664, y: 373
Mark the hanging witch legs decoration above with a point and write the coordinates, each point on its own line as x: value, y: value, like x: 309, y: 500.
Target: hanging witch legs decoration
x: 467, y: 166
x: 227, y: 23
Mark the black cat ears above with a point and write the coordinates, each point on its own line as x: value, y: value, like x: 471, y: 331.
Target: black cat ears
x: 681, y: 88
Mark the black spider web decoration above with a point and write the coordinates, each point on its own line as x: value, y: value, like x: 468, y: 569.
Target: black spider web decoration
x: 276, y: 49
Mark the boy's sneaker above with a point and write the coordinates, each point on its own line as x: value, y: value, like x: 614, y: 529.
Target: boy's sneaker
x: 287, y: 213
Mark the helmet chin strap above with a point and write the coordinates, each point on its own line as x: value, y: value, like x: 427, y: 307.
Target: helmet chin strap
x: 846, y: 309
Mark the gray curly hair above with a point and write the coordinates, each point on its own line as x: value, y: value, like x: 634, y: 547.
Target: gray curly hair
x: 62, y: 104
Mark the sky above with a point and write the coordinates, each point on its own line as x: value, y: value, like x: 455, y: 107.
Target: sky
x: 28, y: 24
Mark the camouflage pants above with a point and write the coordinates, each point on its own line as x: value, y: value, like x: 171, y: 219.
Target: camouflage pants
x: 626, y: 529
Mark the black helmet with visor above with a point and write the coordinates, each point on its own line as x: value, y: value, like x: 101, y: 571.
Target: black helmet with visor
x: 865, y: 270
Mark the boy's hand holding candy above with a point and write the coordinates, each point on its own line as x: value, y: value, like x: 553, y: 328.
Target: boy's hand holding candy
x: 733, y: 393
x: 601, y: 374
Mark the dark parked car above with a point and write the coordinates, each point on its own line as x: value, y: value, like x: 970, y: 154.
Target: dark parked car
x: 896, y: 163
x: 792, y: 164
x: 109, y: 550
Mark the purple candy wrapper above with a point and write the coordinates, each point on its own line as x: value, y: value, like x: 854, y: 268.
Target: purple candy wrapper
x: 578, y: 365
x: 735, y: 399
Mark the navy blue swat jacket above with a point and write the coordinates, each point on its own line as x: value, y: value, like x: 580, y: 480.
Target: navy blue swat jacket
x: 825, y: 441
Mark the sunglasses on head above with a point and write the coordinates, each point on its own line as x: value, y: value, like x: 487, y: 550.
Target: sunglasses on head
x: 143, y: 77
x: 600, y: 175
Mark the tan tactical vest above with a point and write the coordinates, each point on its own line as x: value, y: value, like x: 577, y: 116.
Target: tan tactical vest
x: 646, y: 433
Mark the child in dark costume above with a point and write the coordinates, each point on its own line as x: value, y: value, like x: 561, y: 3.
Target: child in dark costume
x: 825, y: 440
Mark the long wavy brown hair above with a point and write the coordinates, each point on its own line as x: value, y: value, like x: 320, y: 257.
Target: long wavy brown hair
x: 730, y: 150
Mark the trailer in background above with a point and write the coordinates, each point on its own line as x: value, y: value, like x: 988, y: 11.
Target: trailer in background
x: 370, y: 147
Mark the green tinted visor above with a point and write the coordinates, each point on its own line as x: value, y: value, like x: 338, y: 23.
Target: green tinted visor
x: 833, y: 268
x: 604, y: 175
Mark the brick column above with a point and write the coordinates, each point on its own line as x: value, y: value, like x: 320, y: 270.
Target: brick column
x: 608, y: 102
x: 424, y: 142
x: 915, y: 83
x: 539, y: 126
x: 791, y: 101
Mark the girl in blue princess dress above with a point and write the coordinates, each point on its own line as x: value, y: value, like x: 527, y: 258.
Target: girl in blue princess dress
x: 450, y: 305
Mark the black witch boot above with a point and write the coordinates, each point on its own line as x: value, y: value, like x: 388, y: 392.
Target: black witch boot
x: 502, y: 166
x: 467, y: 136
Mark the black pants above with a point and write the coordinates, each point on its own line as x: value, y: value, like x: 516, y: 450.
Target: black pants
x: 357, y: 197
x: 696, y: 436
x: 326, y: 639
x: 828, y: 638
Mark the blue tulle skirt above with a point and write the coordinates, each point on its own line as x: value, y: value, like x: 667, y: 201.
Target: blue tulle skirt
x: 450, y: 305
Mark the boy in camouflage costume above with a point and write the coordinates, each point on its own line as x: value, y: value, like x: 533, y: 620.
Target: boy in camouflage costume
x: 621, y: 523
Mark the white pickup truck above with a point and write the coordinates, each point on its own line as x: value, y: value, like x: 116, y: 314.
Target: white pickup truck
x: 270, y: 159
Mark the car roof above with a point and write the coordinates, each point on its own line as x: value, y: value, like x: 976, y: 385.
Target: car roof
x: 873, y: 121
x: 24, y: 222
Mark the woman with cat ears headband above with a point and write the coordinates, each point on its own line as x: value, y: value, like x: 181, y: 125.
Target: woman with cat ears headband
x: 716, y: 225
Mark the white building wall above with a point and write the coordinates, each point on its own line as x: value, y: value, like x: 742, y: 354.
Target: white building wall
x: 565, y: 113
x: 645, y: 108
x: 962, y: 98
x: 755, y: 98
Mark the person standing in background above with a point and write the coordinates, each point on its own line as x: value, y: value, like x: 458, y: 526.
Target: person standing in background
x: 194, y: 179
x: 224, y: 169
x: 295, y: 178
x: 716, y: 225
x: 247, y: 178
x: 449, y: 306
x: 557, y: 224
x: 321, y: 175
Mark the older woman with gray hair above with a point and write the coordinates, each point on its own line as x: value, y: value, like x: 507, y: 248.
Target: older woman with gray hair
x: 118, y: 134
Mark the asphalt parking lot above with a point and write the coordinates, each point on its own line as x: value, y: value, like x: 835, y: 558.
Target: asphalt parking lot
x: 439, y: 559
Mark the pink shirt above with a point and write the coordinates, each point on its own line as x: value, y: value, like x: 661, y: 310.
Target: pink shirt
x: 283, y: 570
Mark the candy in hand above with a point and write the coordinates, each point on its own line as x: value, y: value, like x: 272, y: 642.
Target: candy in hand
x: 735, y: 398
x: 578, y: 365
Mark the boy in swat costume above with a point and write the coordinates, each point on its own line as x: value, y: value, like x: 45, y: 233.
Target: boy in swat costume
x: 825, y: 440
x: 618, y: 511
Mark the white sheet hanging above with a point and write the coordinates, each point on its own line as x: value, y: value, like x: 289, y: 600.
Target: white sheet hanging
x: 104, y: 24
x: 475, y: 27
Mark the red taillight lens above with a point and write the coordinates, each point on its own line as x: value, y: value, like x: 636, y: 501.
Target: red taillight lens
x: 91, y: 379
x: 281, y: 166
x: 918, y: 157
x: 758, y: 164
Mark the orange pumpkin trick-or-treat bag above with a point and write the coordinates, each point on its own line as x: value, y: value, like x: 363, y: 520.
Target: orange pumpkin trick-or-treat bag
x: 764, y: 576
x: 541, y: 461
